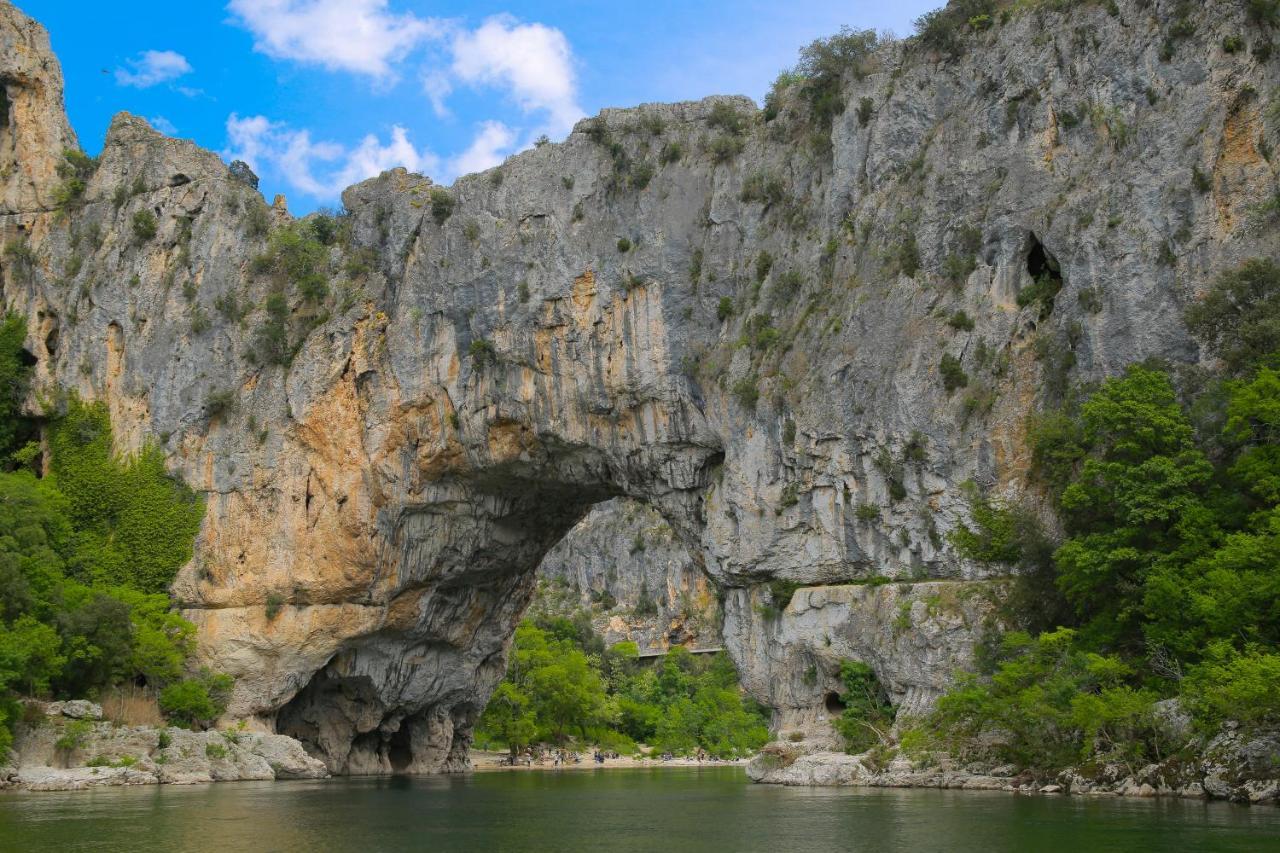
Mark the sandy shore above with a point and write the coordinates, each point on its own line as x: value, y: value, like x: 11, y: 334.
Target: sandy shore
x: 488, y: 761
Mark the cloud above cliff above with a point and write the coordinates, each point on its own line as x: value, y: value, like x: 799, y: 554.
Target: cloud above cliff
x: 528, y: 65
x: 152, y: 67
x: 361, y: 36
x: 320, y: 168
x: 533, y: 63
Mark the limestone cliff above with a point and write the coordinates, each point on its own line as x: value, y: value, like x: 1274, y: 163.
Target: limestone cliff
x: 624, y: 565
x: 737, y: 319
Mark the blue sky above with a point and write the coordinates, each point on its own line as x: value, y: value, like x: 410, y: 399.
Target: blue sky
x: 318, y: 94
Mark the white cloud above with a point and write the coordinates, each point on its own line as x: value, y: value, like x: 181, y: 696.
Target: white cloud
x: 349, y: 35
x: 532, y: 61
x: 437, y: 87
x: 488, y: 149
x: 163, y: 125
x: 320, y: 169
x: 152, y: 67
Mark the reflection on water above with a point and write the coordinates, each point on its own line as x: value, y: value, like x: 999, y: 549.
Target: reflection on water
x: 711, y: 809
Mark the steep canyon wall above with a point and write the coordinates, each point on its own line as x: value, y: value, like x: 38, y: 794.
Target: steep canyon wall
x: 736, y: 319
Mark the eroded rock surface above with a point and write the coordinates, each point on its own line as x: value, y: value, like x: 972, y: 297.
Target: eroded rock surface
x: 624, y: 565
x: 744, y: 332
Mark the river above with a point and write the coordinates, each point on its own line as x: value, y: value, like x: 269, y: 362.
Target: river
x: 668, y: 810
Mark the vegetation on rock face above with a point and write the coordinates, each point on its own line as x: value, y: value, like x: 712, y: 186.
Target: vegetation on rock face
x: 867, y: 716
x: 75, y: 170
x: 1168, y: 488
x: 86, y: 555
x: 563, y: 687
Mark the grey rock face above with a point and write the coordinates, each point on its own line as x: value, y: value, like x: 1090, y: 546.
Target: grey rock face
x: 485, y: 371
x: 624, y: 565
x: 109, y: 755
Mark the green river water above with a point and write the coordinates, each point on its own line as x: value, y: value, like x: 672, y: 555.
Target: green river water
x: 668, y: 810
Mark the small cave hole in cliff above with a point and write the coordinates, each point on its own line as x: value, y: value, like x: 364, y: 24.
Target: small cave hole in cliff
x: 5, y: 105
x: 835, y: 705
x: 1041, y: 262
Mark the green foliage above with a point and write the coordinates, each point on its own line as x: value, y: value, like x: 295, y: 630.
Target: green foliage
x: 724, y: 310
x: 726, y: 117
x: 867, y: 715
x: 997, y: 533
x: 1233, y: 684
x: 19, y: 261
x: 1239, y: 318
x: 215, y: 751
x: 787, y: 286
x: 904, y: 255
x: 79, y: 552
x: 74, y: 734
x: 1263, y: 13
x: 823, y: 65
x: 1041, y: 292
x: 1137, y: 505
x: 297, y: 257
x: 960, y: 321
x: 763, y: 187
x: 1170, y: 561
x: 219, y: 402
x: 943, y: 30
x: 144, y: 226
x: 1052, y: 704
x: 135, y: 524
x: 624, y: 245
x: 764, y: 263
x: 196, y: 702
x: 956, y: 268
x: 782, y: 591
x: 724, y: 148
x: 271, y: 342
x: 75, y: 170
x: 442, y: 203
x: 953, y: 375
x: 482, y: 352
x: 865, y: 109
x: 747, y: 391
x: 15, y: 373
x: 867, y: 512
x: 1090, y: 299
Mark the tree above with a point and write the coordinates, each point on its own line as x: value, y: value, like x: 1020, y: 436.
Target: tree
x: 1137, y: 505
x: 1239, y: 318
x: 14, y: 374
x: 509, y: 718
x: 30, y: 655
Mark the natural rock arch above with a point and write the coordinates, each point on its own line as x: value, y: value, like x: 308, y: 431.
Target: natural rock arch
x: 739, y: 321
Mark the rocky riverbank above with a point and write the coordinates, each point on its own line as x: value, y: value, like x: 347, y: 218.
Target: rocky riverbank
x: 67, y: 746
x: 1231, y: 766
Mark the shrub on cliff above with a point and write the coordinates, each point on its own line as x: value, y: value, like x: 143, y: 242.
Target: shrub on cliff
x: 75, y: 170
x: 144, y: 226
x: 196, y: 702
x: 868, y: 715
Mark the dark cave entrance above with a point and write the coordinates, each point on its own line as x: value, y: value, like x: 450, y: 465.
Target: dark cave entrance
x: 1041, y: 262
x: 834, y: 704
x: 400, y: 748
